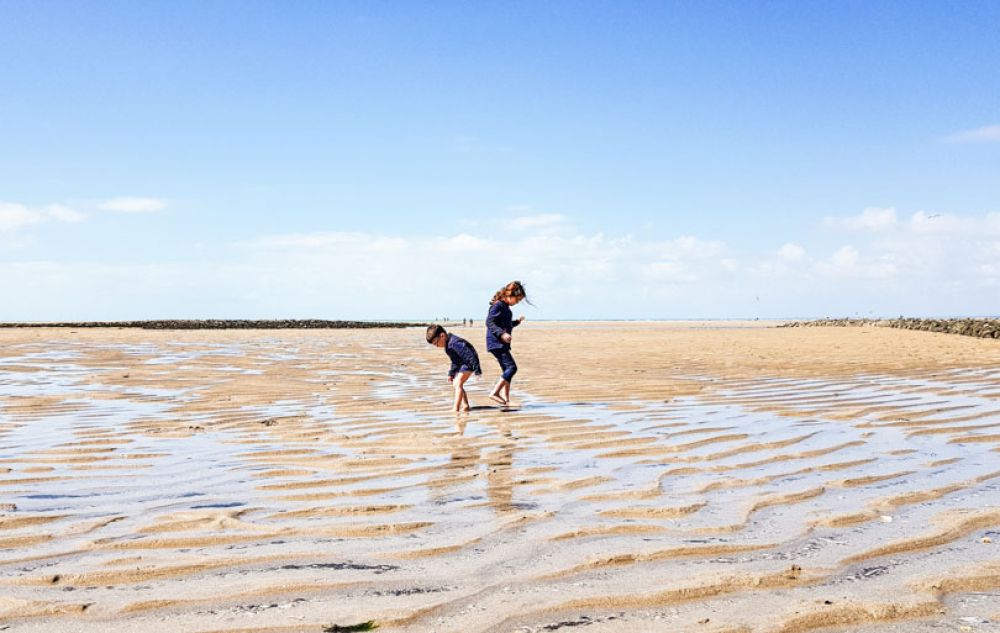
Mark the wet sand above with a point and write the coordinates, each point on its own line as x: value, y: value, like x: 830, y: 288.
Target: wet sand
x: 720, y: 477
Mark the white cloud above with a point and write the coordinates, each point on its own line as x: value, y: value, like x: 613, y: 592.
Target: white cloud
x: 846, y: 257
x: 730, y: 265
x: 552, y: 258
x: 871, y: 219
x: 909, y: 267
x: 791, y: 252
x: 307, y: 240
x: 14, y: 216
x: 465, y: 243
x: 943, y: 223
x: 542, y: 221
x: 133, y: 205
x: 985, y: 134
x: 669, y: 272
x: 65, y: 214
x: 847, y: 261
x: 989, y: 270
x: 685, y: 247
x: 885, y: 221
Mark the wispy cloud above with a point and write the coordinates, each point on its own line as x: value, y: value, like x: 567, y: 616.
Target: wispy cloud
x: 343, y: 241
x: 64, y: 213
x: 568, y: 258
x: 886, y: 221
x: 791, y: 252
x: 674, y: 272
x: 543, y: 221
x: 848, y: 262
x: 15, y: 216
x: 920, y: 262
x: 871, y: 219
x: 133, y: 205
x: 985, y: 134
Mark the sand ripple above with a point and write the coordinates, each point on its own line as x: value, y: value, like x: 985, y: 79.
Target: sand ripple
x: 264, y: 481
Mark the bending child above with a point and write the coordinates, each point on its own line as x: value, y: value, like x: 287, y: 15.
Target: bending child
x: 499, y: 325
x: 464, y: 362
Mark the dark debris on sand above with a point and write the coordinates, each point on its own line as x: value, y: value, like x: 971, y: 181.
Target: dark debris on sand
x: 370, y: 625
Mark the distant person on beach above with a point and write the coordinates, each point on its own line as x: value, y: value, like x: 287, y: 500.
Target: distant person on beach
x: 464, y: 361
x: 499, y: 325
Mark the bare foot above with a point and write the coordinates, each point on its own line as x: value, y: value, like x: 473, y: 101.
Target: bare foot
x: 495, y: 397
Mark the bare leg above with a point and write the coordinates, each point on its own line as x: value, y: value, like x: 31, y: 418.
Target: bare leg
x: 506, y: 391
x: 496, y: 394
x: 461, y: 398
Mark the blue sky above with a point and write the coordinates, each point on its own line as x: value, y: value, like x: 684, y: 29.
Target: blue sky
x: 402, y: 160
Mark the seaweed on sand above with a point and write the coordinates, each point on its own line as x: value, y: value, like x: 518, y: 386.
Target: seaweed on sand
x: 370, y: 625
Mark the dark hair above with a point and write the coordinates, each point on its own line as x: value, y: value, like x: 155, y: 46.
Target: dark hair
x: 434, y: 331
x: 513, y: 289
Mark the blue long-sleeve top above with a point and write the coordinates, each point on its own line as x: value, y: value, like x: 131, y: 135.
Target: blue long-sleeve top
x: 499, y: 321
x: 463, y: 356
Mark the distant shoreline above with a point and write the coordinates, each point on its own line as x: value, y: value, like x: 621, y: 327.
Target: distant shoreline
x: 220, y: 324
x: 978, y: 327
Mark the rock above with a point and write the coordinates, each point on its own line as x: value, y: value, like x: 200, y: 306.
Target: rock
x: 980, y: 328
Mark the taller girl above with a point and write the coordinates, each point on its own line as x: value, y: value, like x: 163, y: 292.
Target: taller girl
x: 499, y: 324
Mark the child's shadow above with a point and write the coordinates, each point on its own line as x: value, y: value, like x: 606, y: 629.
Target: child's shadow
x: 486, y: 407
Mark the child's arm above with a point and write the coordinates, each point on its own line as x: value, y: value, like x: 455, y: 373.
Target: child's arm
x: 516, y: 322
x: 454, y: 366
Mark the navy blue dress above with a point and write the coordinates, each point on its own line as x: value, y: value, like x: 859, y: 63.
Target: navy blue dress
x: 500, y: 321
x: 463, y: 356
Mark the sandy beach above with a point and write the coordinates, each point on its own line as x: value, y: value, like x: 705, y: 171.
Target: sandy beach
x: 719, y: 476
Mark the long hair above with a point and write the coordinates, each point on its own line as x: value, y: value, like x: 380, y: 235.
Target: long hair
x: 513, y: 289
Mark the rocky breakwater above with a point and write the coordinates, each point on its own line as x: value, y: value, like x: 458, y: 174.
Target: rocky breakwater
x: 220, y: 324
x: 980, y: 328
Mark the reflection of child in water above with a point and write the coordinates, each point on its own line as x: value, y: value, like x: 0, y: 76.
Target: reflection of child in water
x: 464, y: 361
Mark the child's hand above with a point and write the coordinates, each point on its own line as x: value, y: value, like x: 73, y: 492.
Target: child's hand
x: 451, y: 378
x: 505, y: 337
x: 521, y: 319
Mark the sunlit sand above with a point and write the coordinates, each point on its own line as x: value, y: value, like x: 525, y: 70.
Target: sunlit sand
x: 650, y: 477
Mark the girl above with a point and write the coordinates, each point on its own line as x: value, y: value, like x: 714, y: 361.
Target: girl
x: 499, y: 324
